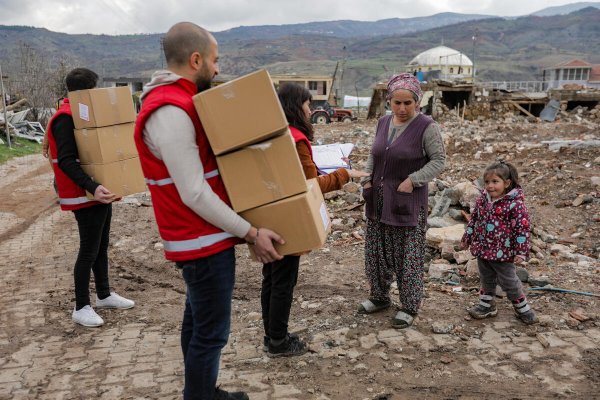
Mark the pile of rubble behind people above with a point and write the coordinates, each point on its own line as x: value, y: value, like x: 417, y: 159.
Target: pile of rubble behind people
x: 20, y: 123
x: 580, y: 113
x: 450, y: 199
x: 506, y: 111
x: 446, y: 227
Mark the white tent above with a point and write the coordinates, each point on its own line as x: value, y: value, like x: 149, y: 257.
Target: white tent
x: 352, y: 101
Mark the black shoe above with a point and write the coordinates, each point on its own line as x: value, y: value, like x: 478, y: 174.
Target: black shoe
x: 291, y: 346
x: 267, y: 340
x: 221, y: 394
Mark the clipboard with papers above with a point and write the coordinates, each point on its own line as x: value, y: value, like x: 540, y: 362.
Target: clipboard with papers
x: 328, y: 157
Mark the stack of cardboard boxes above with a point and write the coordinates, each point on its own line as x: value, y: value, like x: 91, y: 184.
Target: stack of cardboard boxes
x: 104, y: 122
x: 258, y: 162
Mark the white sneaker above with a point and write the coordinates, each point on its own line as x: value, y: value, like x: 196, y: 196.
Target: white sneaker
x: 86, y: 316
x: 114, y: 301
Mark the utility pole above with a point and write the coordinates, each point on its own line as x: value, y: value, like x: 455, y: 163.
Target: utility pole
x: 357, y: 100
x: 4, y: 105
x: 162, y: 65
x: 341, y: 81
x: 475, y: 33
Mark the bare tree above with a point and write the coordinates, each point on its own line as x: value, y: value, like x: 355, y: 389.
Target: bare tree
x: 40, y: 79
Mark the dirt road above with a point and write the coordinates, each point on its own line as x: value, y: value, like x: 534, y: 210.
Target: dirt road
x: 136, y: 354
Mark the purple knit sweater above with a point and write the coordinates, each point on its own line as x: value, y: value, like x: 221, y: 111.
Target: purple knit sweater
x: 392, y: 164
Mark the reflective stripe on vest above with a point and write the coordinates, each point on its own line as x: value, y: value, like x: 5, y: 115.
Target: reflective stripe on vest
x: 55, y: 161
x: 211, y: 174
x: 195, y: 244
x: 160, y: 182
x: 167, y: 181
x: 75, y: 200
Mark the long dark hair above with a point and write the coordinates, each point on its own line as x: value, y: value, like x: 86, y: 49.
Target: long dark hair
x: 291, y: 97
x: 504, y: 171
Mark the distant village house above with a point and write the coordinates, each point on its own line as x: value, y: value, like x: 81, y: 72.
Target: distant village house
x: 319, y: 86
x: 577, y: 72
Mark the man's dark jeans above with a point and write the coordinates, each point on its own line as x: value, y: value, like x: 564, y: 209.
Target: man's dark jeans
x: 206, y: 320
x: 94, y: 231
x: 279, y: 279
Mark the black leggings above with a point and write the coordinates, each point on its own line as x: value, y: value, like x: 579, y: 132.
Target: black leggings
x: 279, y: 279
x: 94, y: 230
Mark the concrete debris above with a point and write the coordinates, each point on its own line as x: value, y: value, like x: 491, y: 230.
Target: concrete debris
x: 17, y: 123
x: 579, y: 315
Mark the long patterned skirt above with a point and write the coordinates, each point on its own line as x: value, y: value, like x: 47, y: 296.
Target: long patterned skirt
x: 398, y: 250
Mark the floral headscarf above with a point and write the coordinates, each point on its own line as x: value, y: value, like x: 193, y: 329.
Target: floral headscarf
x: 404, y: 81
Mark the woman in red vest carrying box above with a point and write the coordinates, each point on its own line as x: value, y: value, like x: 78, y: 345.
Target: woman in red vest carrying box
x: 280, y: 277
x: 93, y: 216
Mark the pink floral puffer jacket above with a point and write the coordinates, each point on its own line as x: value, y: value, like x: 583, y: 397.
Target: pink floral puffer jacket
x: 499, y: 230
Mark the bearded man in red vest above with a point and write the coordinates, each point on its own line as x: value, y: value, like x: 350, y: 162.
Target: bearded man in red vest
x: 196, y: 223
x: 93, y: 216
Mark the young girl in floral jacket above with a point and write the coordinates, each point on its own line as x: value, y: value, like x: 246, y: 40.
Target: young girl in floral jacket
x: 498, y: 235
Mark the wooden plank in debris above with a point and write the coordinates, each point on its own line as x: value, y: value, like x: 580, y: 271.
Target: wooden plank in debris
x: 518, y: 107
x: 353, y: 206
x: 14, y: 105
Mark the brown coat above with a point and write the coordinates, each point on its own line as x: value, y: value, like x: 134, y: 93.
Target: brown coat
x: 327, y: 183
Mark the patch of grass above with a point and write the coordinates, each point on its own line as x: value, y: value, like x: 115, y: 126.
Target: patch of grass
x: 20, y: 147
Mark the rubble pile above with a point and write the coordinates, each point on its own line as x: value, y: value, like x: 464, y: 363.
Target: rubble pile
x: 471, y: 145
x: 562, y: 194
x: 580, y: 113
x: 17, y: 122
x: 484, y: 105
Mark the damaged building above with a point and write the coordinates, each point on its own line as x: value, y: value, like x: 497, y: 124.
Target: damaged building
x: 566, y: 86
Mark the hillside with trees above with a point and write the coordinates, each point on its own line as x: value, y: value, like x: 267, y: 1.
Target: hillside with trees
x: 505, y: 48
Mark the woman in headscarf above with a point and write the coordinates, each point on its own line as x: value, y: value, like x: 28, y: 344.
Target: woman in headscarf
x: 407, y: 153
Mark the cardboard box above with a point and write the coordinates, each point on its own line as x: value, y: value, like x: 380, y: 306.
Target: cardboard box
x: 105, y: 145
x: 94, y: 108
x: 262, y: 173
x: 301, y: 220
x: 120, y: 177
x: 240, y: 112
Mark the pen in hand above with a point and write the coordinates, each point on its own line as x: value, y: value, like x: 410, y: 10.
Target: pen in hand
x: 346, y: 159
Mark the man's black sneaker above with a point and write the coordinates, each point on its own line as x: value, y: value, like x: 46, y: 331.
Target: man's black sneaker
x: 221, y: 394
x: 291, y: 346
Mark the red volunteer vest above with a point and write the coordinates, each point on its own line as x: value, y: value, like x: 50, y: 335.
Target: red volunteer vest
x: 185, y: 235
x: 70, y: 195
x: 300, y: 137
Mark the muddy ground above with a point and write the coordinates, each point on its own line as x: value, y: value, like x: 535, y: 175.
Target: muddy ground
x: 352, y: 356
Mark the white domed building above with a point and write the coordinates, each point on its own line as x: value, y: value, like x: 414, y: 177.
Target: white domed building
x: 452, y: 64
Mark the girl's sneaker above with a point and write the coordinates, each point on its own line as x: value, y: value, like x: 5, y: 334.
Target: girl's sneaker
x: 524, y: 312
x: 528, y: 317
x: 485, y: 309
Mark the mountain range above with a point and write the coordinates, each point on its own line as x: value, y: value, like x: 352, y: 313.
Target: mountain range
x: 364, y: 52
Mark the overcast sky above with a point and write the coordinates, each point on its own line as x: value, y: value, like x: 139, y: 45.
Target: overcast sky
x: 114, y: 17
